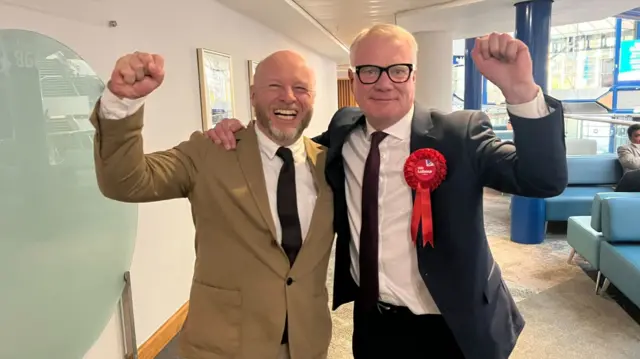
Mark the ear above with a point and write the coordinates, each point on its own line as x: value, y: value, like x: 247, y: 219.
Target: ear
x: 352, y: 78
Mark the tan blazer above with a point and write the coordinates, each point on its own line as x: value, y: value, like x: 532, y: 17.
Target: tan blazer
x: 242, y: 285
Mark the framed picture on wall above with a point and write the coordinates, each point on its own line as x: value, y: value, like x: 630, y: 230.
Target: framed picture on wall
x: 252, y: 69
x: 251, y: 65
x: 216, y: 87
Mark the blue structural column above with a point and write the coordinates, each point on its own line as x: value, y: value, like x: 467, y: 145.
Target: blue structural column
x: 533, y: 25
x: 472, y: 79
x: 614, y: 86
x: 485, y: 95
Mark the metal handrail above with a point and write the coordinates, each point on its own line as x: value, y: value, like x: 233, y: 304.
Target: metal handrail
x: 601, y: 119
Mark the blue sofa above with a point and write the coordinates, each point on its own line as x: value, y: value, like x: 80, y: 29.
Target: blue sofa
x: 586, y: 233
x: 588, y: 176
x: 610, y: 241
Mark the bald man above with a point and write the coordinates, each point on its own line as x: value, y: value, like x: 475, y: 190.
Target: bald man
x: 263, y: 214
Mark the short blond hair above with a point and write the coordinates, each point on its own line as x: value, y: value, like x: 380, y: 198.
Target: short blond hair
x: 389, y: 31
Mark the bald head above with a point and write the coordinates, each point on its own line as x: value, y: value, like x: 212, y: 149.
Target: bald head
x: 281, y: 62
x: 282, y: 94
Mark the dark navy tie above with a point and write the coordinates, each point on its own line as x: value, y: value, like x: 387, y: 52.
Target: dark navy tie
x: 369, y: 290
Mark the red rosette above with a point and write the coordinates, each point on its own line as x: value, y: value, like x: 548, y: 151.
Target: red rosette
x: 424, y: 171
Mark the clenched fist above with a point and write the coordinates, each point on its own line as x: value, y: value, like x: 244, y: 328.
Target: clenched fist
x: 136, y: 75
x: 506, y: 62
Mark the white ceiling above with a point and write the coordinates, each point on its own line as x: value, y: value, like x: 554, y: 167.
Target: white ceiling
x: 499, y: 15
x: 329, y: 26
x: 346, y: 18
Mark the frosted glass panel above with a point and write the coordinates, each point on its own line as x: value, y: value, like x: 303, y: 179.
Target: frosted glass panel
x: 63, y: 247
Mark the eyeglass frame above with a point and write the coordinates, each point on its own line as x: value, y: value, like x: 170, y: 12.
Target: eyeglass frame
x: 383, y: 70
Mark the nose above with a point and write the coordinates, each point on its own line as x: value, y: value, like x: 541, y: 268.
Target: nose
x: 384, y: 82
x: 288, y: 95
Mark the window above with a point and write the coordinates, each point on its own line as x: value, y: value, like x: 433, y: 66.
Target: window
x: 66, y: 245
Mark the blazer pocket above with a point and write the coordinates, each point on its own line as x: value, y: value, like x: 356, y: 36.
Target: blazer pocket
x: 214, y: 320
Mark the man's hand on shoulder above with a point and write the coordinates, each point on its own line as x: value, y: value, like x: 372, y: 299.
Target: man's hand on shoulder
x: 224, y: 132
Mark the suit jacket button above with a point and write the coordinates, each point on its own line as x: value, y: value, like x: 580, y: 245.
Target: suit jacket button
x: 289, y: 281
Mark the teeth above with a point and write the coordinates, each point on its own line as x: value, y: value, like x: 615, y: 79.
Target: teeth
x: 286, y: 112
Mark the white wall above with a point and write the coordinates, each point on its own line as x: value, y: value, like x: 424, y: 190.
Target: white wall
x: 163, y: 259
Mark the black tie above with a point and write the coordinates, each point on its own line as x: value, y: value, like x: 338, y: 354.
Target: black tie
x: 369, y: 291
x: 288, y: 206
x: 288, y: 214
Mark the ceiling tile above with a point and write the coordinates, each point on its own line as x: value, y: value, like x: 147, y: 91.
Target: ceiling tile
x: 346, y: 18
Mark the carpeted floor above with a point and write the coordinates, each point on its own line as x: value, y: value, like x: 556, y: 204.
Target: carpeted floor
x: 565, y: 319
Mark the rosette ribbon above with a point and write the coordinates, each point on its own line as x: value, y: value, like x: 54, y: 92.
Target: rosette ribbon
x: 424, y: 171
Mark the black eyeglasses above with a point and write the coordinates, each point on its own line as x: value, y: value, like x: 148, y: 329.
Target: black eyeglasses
x: 370, y: 74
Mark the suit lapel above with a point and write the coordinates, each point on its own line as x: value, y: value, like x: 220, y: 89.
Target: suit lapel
x: 314, y: 245
x: 423, y: 135
x: 251, y: 164
x: 315, y: 165
x: 312, y: 162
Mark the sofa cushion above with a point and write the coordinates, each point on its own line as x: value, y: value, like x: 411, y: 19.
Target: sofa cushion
x: 584, y: 239
x: 574, y: 201
x: 596, y: 206
x: 593, y: 169
x: 620, y: 219
x: 621, y: 264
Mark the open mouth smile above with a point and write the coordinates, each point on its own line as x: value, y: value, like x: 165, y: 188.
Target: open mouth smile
x: 286, y: 114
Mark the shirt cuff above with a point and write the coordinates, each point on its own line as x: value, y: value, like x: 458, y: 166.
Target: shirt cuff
x: 114, y: 108
x: 537, y: 108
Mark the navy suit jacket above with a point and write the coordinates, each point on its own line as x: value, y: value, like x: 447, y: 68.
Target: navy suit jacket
x: 460, y: 271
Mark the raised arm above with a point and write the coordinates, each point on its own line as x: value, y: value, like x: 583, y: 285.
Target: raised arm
x: 536, y: 165
x: 627, y: 159
x: 123, y: 171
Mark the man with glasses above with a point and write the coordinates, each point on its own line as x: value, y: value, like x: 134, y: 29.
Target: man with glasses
x: 444, y: 298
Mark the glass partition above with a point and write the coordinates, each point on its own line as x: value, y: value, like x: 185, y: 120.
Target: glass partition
x: 63, y: 246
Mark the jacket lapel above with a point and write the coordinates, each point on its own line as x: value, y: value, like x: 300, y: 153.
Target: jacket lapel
x: 317, y: 162
x: 311, y: 251
x: 423, y: 135
x: 251, y: 164
x: 422, y: 130
x: 312, y: 161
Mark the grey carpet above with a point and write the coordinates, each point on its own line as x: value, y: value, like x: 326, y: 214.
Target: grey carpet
x: 565, y: 319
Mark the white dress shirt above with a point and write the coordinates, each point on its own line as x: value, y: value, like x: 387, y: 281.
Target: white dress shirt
x: 400, y: 282
x: 306, y: 193
x: 114, y: 108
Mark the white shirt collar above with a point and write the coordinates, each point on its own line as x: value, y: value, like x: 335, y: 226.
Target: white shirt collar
x: 636, y: 145
x: 269, y: 148
x: 400, y: 130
